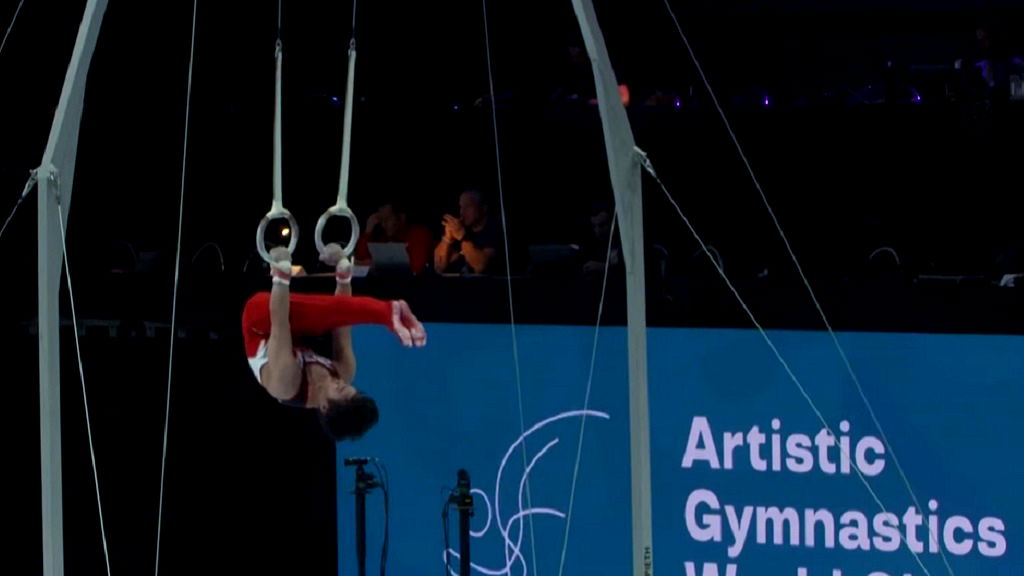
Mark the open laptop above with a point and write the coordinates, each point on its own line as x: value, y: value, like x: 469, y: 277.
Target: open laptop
x: 552, y: 253
x: 553, y: 260
x: 390, y: 257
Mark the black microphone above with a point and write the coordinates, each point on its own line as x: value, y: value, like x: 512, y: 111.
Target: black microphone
x: 461, y: 496
x: 461, y: 489
x: 357, y: 461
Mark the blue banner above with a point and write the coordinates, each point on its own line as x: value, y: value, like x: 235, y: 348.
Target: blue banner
x: 755, y: 470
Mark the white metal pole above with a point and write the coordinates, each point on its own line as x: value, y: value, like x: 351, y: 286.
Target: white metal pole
x: 56, y: 175
x: 624, y: 166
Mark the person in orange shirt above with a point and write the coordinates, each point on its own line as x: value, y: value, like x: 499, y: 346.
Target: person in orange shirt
x: 390, y: 224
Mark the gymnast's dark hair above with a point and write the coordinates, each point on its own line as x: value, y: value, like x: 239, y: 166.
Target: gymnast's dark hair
x: 349, y: 419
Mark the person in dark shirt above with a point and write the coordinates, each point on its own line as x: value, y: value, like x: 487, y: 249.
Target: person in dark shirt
x: 473, y: 242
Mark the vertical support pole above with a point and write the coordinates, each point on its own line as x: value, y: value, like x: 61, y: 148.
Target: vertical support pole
x: 50, y: 260
x: 624, y: 167
x: 56, y: 175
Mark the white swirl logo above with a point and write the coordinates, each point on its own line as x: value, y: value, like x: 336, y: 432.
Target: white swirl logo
x: 513, y: 553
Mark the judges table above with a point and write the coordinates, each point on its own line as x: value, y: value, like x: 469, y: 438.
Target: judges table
x: 212, y: 304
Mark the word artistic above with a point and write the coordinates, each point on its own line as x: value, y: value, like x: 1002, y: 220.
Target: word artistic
x: 796, y: 452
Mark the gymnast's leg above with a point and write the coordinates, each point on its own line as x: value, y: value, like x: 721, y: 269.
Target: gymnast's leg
x: 265, y: 324
x: 315, y: 314
x: 318, y: 314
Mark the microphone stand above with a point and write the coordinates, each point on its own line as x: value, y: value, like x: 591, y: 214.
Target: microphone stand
x: 463, y: 500
x: 365, y: 482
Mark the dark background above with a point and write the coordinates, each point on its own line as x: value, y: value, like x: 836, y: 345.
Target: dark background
x: 249, y: 485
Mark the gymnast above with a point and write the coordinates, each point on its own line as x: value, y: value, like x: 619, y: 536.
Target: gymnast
x: 275, y: 322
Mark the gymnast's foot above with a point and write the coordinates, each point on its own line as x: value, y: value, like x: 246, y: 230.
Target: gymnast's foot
x: 397, y: 327
x: 405, y: 325
x: 416, y: 330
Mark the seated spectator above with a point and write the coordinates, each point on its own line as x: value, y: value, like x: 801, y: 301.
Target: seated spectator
x: 472, y: 243
x: 390, y: 223
x: 594, y: 251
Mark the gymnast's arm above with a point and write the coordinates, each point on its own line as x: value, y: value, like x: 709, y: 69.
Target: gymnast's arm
x: 478, y: 257
x: 281, y: 375
x: 344, y: 354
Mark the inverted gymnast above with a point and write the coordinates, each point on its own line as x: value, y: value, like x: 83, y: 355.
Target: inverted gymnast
x: 275, y: 322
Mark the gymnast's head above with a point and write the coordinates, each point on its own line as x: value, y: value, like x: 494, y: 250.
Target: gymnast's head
x: 348, y: 418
